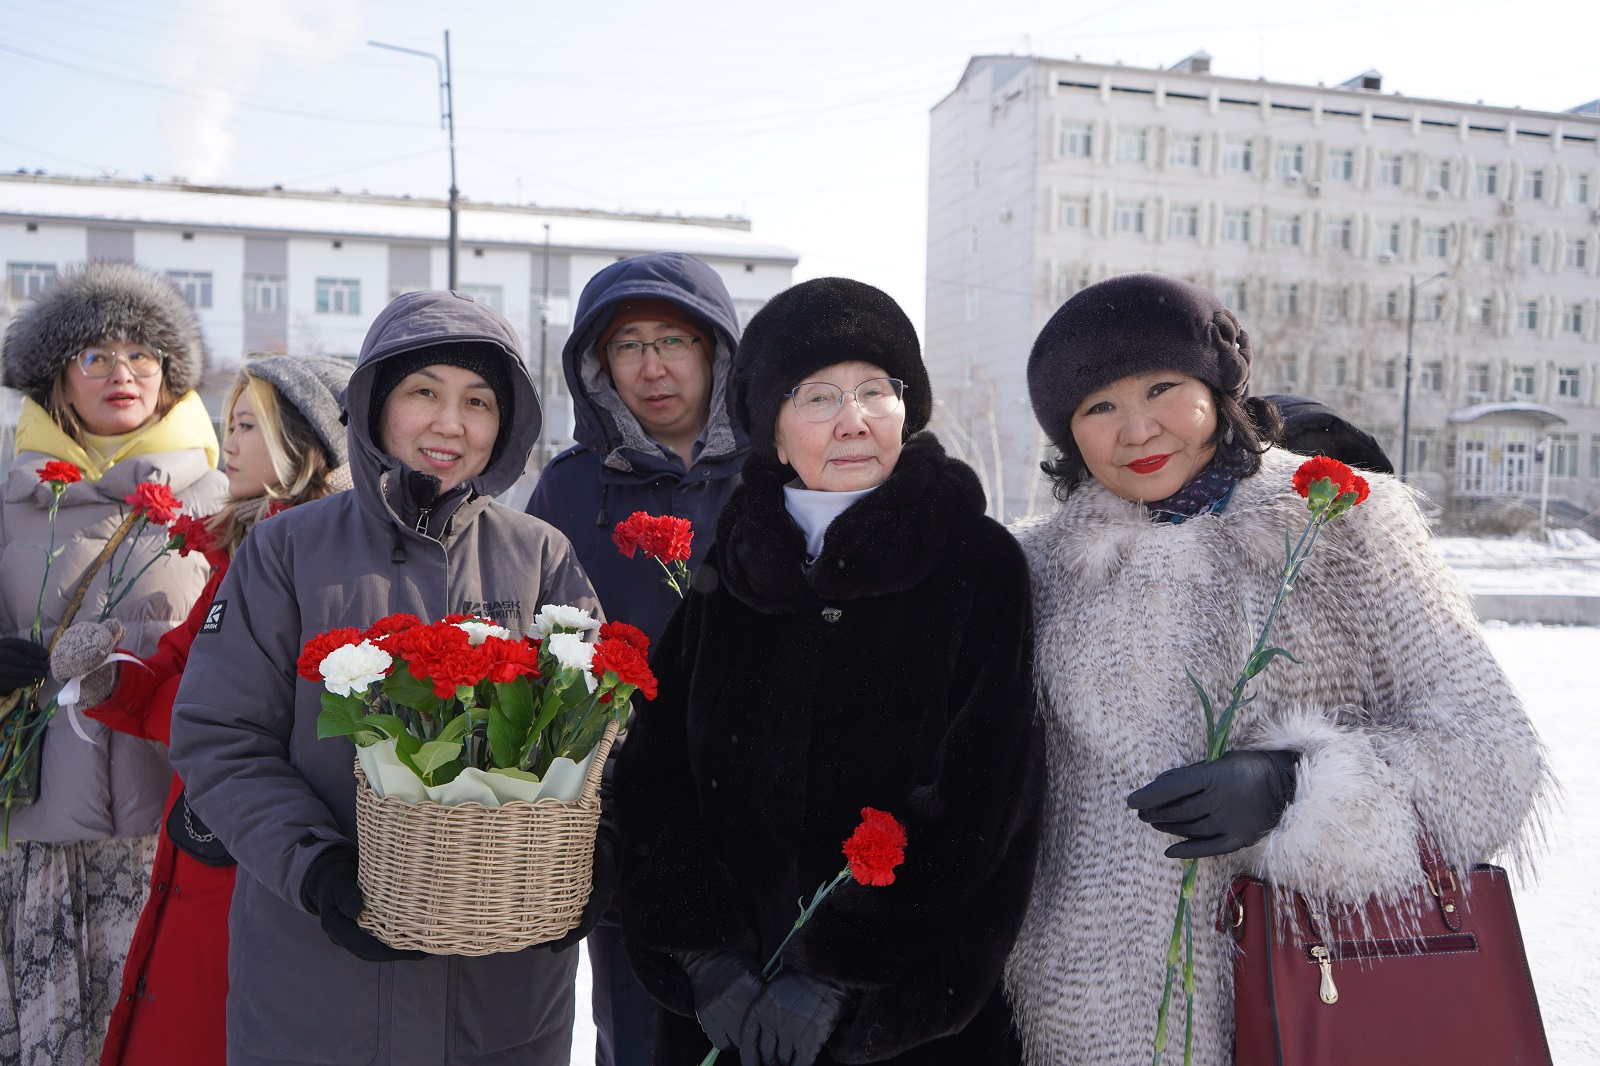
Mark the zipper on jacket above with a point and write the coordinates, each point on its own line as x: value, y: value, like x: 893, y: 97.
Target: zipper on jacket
x: 422, y: 520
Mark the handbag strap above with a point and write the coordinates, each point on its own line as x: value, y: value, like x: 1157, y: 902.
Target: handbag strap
x: 112, y: 544
x: 1442, y: 881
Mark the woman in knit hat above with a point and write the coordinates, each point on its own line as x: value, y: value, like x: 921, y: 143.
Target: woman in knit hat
x: 285, y: 445
x: 107, y: 360
x: 1162, y: 560
x: 858, y: 635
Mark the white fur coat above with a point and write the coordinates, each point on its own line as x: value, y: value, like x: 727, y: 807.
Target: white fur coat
x: 1397, y: 708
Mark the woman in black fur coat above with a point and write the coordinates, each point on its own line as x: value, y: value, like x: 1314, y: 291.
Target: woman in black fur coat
x: 858, y: 636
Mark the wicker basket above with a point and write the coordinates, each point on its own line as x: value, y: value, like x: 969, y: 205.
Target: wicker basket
x: 475, y: 880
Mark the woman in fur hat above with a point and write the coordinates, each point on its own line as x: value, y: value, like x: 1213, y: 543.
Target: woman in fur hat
x: 107, y: 360
x: 285, y: 445
x: 1164, y: 557
x: 857, y: 636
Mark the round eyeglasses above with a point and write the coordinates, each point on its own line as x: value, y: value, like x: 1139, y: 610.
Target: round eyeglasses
x: 818, y: 401
x: 669, y: 349
x: 100, y: 362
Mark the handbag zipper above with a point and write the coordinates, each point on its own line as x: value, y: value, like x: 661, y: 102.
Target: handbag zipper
x: 1455, y: 943
x: 1328, y: 992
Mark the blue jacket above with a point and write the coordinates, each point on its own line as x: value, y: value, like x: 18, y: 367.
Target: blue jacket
x: 615, y: 468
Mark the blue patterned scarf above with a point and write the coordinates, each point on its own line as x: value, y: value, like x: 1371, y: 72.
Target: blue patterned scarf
x: 1206, y: 493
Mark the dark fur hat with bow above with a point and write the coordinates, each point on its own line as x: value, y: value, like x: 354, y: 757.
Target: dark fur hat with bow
x: 98, y: 302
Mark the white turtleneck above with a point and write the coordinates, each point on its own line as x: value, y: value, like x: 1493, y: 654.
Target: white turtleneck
x: 814, y: 511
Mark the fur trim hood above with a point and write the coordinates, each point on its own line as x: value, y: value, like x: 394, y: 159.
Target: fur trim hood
x: 96, y: 302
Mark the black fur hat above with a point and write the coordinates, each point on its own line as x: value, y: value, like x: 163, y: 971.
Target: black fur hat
x: 102, y: 301
x: 1132, y: 324
x: 813, y: 325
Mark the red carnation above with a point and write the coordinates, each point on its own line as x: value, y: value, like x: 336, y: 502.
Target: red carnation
x: 424, y: 642
x: 156, y: 501
x: 60, y: 472
x: 317, y: 649
x: 510, y: 659
x: 1320, y: 466
x: 452, y: 619
x: 628, y: 634
x: 627, y: 662
x: 390, y: 624
x: 452, y: 669
x: 876, y: 848
x: 1359, y: 484
x: 188, y: 534
x: 660, y: 537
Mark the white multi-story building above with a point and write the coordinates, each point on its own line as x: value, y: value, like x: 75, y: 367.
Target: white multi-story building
x: 272, y: 270
x: 1311, y: 211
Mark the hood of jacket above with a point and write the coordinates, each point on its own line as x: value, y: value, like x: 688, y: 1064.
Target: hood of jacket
x: 417, y: 320
x: 603, y: 421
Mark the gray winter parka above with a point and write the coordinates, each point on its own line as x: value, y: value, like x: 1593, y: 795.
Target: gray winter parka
x: 244, y: 736
x: 117, y: 785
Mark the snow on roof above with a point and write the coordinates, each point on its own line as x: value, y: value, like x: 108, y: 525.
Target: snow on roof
x: 273, y: 211
x: 1539, y: 412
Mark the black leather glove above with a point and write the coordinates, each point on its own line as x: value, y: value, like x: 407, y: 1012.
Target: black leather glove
x: 603, y: 889
x: 330, y: 890
x: 725, y: 984
x: 23, y: 663
x: 1220, y: 806
x: 790, y: 1021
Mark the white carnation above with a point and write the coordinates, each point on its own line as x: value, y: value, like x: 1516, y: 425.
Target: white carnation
x: 350, y: 669
x: 477, y: 630
x: 553, y: 616
x: 570, y: 651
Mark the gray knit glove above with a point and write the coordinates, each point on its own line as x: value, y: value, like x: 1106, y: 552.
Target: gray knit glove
x: 82, y: 652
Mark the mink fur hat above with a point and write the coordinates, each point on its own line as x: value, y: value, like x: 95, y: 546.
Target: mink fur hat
x: 102, y: 301
x: 813, y: 325
x: 1126, y: 325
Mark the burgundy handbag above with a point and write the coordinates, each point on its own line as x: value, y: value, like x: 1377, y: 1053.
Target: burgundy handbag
x: 1442, y: 977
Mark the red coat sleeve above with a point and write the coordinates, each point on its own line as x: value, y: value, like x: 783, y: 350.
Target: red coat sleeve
x: 141, y: 704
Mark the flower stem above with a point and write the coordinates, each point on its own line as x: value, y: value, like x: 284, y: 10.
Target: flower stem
x: 112, y: 599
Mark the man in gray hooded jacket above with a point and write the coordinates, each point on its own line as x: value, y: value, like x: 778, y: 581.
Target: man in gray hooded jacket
x: 442, y: 415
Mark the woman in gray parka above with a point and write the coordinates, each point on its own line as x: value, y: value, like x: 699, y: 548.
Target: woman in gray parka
x: 442, y: 416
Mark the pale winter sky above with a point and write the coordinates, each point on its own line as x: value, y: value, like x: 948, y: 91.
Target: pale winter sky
x: 809, y: 118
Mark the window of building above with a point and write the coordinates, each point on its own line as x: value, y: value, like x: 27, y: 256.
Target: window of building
x: 495, y: 295
x: 1185, y: 151
x: 1236, y: 224
x: 1286, y: 230
x: 1431, y: 307
x: 1436, y: 241
x: 1572, y: 318
x: 1567, y: 382
x: 1533, y: 184
x: 1383, y: 373
x: 339, y: 296
x: 1132, y: 145
x: 1285, y: 298
x: 1236, y: 155
x: 1480, y: 312
x: 1476, y: 379
x: 1486, y: 247
x: 1077, y: 139
x: 1391, y: 169
x: 1430, y: 377
x: 1563, y: 455
x: 195, y: 286
x: 1530, y: 249
x: 1184, y: 221
x: 975, y: 173
x: 1235, y: 295
x: 1341, y: 164
x: 1335, y: 371
x: 972, y: 239
x: 29, y: 279
x: 1386, y: 238
x: 1074, y: 212
x: 972, y: 305
x: 1336, y: 304
x: 1424, y: 449
x: 1577, y: 188
x: 1486, y: 179
x: 265, y: 292
x: 1339, y: 234
x: 1594, y: 456
x: 1578, y: 253
x: 1128, y: 217
x: 1522, y: 382
x: 1386, y: 304
x: 1290, y: 159
x: 1289, y: 371
x: 1439, y: 175
x: 1528, y: 315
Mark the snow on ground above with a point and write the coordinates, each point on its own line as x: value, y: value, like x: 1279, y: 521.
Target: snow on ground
x: 1551, y: 668
x: 1568, y: 566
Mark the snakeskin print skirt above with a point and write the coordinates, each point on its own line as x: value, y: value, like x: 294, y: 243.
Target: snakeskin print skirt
x: 67, y: 915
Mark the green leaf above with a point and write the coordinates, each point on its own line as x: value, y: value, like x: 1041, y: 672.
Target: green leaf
x: 503, y: 737
x: 330, y: 726
x: 1205, y: 702
x: 1263, y: 658
x: 389, y: 724
x: 404, y: 688
x: 455, y: 728
x: 435, y: 754
x: 512, y: 771
x: 516, y: 703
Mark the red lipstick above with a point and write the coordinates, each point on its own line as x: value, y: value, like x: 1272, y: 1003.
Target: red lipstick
x: 1149, y: 464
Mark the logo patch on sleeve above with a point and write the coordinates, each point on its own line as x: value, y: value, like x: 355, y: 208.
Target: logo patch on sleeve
x: 214, y: 613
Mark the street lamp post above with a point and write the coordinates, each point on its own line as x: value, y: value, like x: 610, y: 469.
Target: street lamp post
x: 1405, y: 403
x: 447, y: 120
